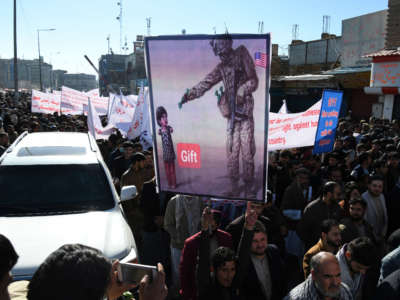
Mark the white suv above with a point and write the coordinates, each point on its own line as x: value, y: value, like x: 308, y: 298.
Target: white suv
x: 56, y: 189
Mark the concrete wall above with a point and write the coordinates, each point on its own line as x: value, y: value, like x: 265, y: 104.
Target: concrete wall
x: 315, y: 52
x: 393, y: 25
x: 362, y: 35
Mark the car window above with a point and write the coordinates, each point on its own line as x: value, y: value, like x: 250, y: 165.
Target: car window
x: 41, y: 189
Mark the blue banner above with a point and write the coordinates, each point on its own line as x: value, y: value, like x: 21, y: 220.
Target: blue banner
x: 328, y: 121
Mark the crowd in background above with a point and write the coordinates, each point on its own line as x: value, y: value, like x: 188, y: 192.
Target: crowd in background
x: 329, y: 228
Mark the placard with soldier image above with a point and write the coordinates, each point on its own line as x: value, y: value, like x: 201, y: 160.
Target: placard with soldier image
x: 209, y: 106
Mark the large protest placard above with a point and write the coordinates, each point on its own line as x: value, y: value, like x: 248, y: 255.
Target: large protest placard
x: 328, y: 120
x: 293, y: 130
x: 45, y: 103
x: 209, y: 113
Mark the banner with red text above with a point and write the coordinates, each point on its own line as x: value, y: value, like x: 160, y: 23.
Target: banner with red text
x: 72, y: 101
x: 100, y: 103
x: 293, y: 130
x: 45, y: 103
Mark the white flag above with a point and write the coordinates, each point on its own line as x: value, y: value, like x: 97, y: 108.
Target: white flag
x: 122, y: 112
x: 146, y: 134
x: 283, y: 109
x: 94, y: 124
x: 135, y: 127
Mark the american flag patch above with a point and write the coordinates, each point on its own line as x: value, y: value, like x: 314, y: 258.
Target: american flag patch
x: 260, y: 59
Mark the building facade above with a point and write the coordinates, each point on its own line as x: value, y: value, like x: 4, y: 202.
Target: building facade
x: 81, y: 82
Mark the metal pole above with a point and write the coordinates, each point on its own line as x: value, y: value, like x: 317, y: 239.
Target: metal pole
x: 40, y: 63
x: 16, y: 95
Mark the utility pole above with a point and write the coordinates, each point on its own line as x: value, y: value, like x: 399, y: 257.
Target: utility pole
x: 148, y: 21
x: 119, y: 18
x: 16, y: 95
x: 108, y: 42
x: 40, y: 62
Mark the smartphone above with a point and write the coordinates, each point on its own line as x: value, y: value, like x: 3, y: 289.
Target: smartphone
x: 133, y: 273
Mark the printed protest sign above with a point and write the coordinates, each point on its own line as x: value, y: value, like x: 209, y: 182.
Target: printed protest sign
x: 293, y: 130
x: 209, y: 104
x: 328, y: 120
x: 45, y: 103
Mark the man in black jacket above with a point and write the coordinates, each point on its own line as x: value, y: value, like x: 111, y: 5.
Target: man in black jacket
x: 235, y: 228
x: 260, y: 263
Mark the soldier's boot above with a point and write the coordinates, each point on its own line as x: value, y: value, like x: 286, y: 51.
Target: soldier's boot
x: 250, y: 191
x: 233, y: 190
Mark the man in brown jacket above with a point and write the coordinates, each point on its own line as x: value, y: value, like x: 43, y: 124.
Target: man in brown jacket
x: 136, y: 175
x: 326, y: 207
x: 329, y: 242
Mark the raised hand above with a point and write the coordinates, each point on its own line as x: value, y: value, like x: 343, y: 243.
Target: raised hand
x: 206, y: 219
x: 250, y: 217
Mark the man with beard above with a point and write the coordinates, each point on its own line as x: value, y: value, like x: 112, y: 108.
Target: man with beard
x: 136, y: 175
x: 324, y: 283
x: 238, y: 75
x: 355, y: 258
x: 330, y: 241
x: 260, y: 263
x: 376, y: 213
x: 235, y: 228
x: 355, y: 226
x: 326, y: 207
x: 211, y: 236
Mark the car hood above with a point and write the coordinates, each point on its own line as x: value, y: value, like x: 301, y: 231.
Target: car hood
x: 35, y: 237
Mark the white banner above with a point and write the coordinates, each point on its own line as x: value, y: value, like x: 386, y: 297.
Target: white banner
x: 72, y: 101
x: 94, y: 124
x: 45, y: 102
x: 100, y: 103
x: 122, y: 111
x: 293, y: 130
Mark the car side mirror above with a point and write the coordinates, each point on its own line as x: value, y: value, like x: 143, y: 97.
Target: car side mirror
x: 128, y: 192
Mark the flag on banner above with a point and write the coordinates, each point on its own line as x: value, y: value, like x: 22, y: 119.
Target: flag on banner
x: 328, y: 120
x: 94, y: 124
x: 260, y: 59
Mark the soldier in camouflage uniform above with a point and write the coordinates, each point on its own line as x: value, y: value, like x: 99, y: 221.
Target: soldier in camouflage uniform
x: 235, y: 101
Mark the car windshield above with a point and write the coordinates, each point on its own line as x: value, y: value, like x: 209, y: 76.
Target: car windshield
x: 46, y: 189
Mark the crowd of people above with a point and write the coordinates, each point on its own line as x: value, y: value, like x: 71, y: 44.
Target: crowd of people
x: 328, y: 230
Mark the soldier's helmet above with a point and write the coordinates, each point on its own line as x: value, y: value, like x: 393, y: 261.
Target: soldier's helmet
x: 222, y: 45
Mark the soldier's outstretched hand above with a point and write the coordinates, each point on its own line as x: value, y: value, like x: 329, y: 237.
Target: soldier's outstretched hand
x: 184, y: 99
